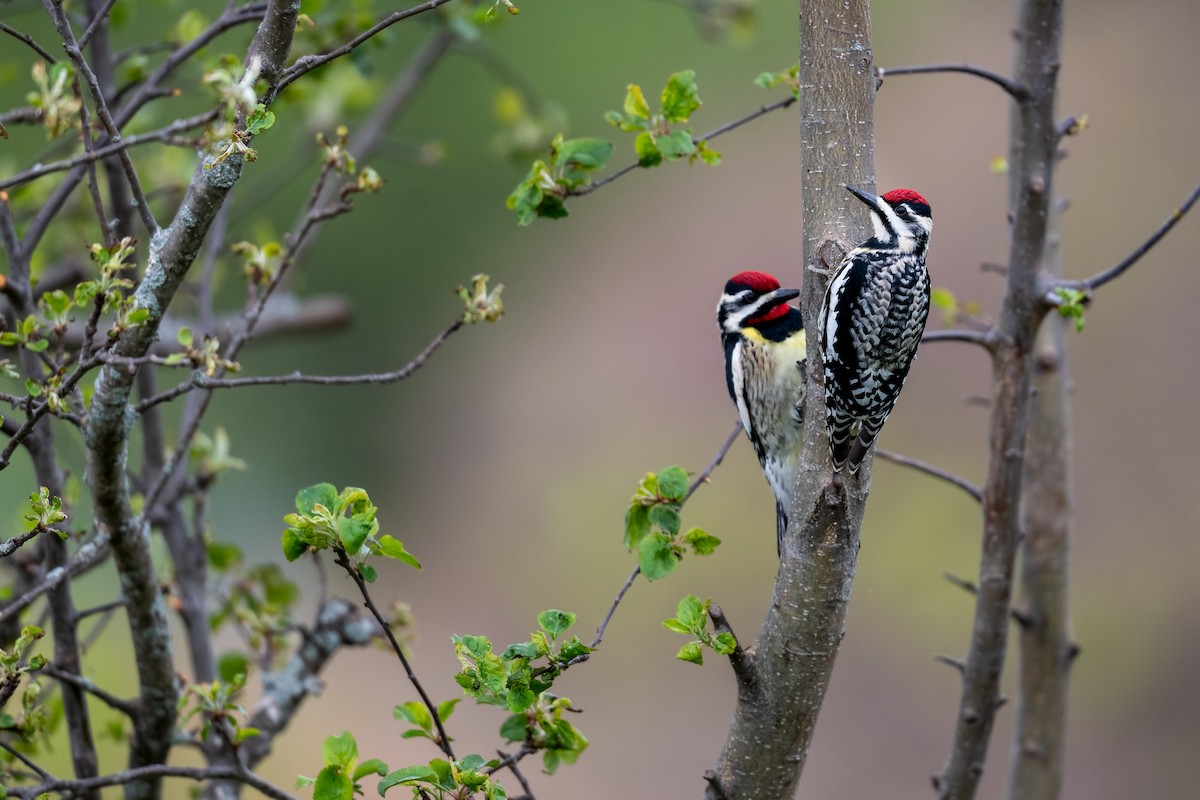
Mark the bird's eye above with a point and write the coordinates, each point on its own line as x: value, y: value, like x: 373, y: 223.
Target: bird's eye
x: 902, y: 210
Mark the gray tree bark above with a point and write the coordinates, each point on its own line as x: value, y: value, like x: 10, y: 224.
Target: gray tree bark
x: 782, y: 684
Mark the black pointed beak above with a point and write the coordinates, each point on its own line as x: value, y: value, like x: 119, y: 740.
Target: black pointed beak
x: 780, y: 296
x: 871, y: 200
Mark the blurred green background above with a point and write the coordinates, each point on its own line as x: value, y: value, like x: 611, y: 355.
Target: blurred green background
x: 506, y: 464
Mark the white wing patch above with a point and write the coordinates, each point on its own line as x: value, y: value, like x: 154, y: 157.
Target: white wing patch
x: 739, y: 382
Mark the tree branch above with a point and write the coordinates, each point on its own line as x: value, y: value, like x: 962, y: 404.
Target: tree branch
x: 199, y: 380
x: 126, y: 707
x: 99, y: 19
x: 308, y: 63
x: 91, y: 554
x: 739, y: 659
x: 1114, y: 272
x: 443, y: 739
x: 152, y: 772
x: 1014, y: 89
x: 11, y: 545
x: 28, y: 40
x: 985, y: 339
x: 794, y: 652
x: 338, y: 625
x: 949, y: 477
x: 1034, y: 146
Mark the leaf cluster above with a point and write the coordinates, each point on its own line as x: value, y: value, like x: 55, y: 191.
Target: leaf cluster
x: 339, y: 778
x: 520, y: 678
x: 218, y: 709
x: 652, y: 524
x: 45, y: 513
x: 691, y: 619
x: 327, y: 519
x: 447, y: 780
x: 548, y: 184
x: 656, y: 139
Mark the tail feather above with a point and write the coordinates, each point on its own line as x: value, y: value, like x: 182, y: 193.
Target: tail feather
x: 781, y: 523
x: 866, y: 438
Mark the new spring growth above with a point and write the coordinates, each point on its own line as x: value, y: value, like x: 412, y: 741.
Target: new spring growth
x: 481, y: 304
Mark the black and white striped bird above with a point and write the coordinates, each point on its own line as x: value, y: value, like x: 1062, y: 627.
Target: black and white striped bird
x: 872, y: 319
x: 764, y: 370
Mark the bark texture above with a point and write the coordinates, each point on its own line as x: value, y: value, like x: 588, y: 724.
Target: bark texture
x: 781, y: 690
x: 1034, y: 143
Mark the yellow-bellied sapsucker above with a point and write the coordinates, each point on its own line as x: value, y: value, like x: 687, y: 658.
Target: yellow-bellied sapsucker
x: 872, y: 319
x: 764, y: 370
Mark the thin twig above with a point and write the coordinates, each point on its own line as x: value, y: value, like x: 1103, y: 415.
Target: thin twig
x: 27, y: 39
x: 1014, y: 89
x: 201, y: 381
x: 949, y: 477
x: 10, y: 546
x: 24, y: 759
x: 612, y: 609
x: 63, y: 26
x: 713, y: 134
x: 443, y: 739
x: 96, y: 22
x: 308, y: 63
x: 63, y: 787
x: 126, y: 707
x: 97, y: 153
x: 984, y: 339
x: 1114, y: 272
x: 511, y: 763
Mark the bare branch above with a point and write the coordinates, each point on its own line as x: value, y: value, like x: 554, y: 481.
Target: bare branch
x: 1114, y: 272
x: 715, y: 462
x: 510, y: 761
x: 96, y: 153
x: 984, y: 339
x: 63, y: 26
x: 612, y: 609
x: 24, y: 759
x: 443, y: 739
x: 27, y: 39
x: 99, y: 19
x: 199, y: 380
x: 308, y: 63
x: 126, y: 707
x: 91, y: 554
x: 152, y: 771
x: 10, y: 546
x: 1032, y: 157
x: 1014, y: 89
x: 949, y: 477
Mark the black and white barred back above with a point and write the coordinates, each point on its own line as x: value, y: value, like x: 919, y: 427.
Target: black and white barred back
x: 872, y: 319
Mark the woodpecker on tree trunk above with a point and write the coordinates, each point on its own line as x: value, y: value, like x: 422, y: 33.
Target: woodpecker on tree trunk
x: 764, y: 371
x: 872, y: 319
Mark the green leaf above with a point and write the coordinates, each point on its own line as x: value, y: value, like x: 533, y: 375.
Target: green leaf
x: 369, y: 574
x: 676, y: 144
x: 637, y: 524
x: 690, y: 612
x: 691, y: 652
x: 676, y: 626
x: 680, y: 96
x: 293, y: 547
x: 588, y: 154
x: 39, y: 346
x: 373, y: 765
x: 665, y: 517
x: 223, y: 555
x: 657, y: 557
x: 414, y: 774
x: 520, y: 650
x: 492, y: 673
x: 514, y: 728
x: 477, y: 646
x: 943, y: 298
x: 353, y: 532
x: 416, y: 713
x: 260, y: 119
x: 184, y: 337
x: 572, y: 649
x: 724, y: 643
x: 323, y: 493
x: 340, y: 751
x: 245, y: 733
x: 707, y: 154
x: 446, y: 708
x: 520, y: 698
x: 702, y: 544
x: 647, y: 151
x: 555, y: 622
x: 391, y: 547
x: 673, y: 483
x: 231, y: 665
x: 33, y: 387
x: 333, y: 784
x: 635, y: 102
x: 443, y: 773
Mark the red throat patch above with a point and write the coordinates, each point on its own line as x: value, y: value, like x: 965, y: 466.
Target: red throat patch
x: 760, y: 282
x: 904, y: 196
